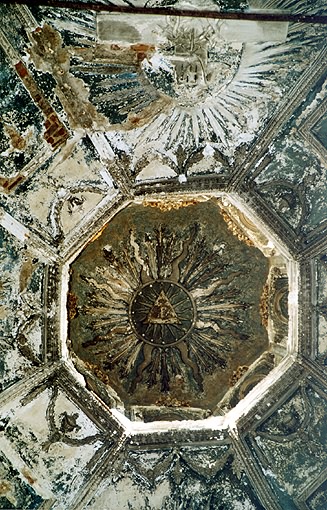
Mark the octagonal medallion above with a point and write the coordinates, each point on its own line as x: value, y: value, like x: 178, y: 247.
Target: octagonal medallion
x: 171, y: 307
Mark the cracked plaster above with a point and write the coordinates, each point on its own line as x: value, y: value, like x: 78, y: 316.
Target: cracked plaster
x: 69, y: 162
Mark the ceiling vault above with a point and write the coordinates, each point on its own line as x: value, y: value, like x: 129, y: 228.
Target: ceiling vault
x: 163, y: 237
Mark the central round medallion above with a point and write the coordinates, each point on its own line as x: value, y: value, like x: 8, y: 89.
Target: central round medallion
x: 162, y: 313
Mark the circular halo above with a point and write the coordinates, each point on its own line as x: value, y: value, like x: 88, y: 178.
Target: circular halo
x: 162, y: 313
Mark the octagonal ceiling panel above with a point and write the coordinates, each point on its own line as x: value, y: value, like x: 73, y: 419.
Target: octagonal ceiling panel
x: 77, y: 146
x: 170, y: 306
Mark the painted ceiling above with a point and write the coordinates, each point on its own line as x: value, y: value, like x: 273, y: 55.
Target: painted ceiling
x: 163, y: 237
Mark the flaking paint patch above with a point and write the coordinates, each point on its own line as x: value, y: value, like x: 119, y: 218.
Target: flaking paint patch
x: 155, y: 170
x: 78, y: 27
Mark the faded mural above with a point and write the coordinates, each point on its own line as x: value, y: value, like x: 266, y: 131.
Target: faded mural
x: 163, y: 298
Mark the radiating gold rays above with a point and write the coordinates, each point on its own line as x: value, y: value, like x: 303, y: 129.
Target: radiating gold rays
x: 163, y: 303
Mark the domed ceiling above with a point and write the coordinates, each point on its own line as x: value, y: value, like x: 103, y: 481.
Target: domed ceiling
x: 177, y: 307
x: 163, y: 236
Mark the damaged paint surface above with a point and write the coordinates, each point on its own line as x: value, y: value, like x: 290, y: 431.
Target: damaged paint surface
x: 135, y: 151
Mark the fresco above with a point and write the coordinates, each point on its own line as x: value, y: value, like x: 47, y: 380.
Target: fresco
x: 163, y: 258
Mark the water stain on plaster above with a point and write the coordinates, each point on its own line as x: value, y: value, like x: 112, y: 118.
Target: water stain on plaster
x: 193, y: 490
x: 17, y: 141
x: 49, y: 56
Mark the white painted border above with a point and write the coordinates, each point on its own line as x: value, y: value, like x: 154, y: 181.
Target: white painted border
x: 262, y: 389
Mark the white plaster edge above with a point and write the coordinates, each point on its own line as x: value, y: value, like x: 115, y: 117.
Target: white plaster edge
x: 293, y: 272
x: 214, y: 423
x: 14, y: 227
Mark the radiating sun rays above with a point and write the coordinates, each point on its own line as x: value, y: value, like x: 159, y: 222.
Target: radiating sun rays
x: 161, y: 305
